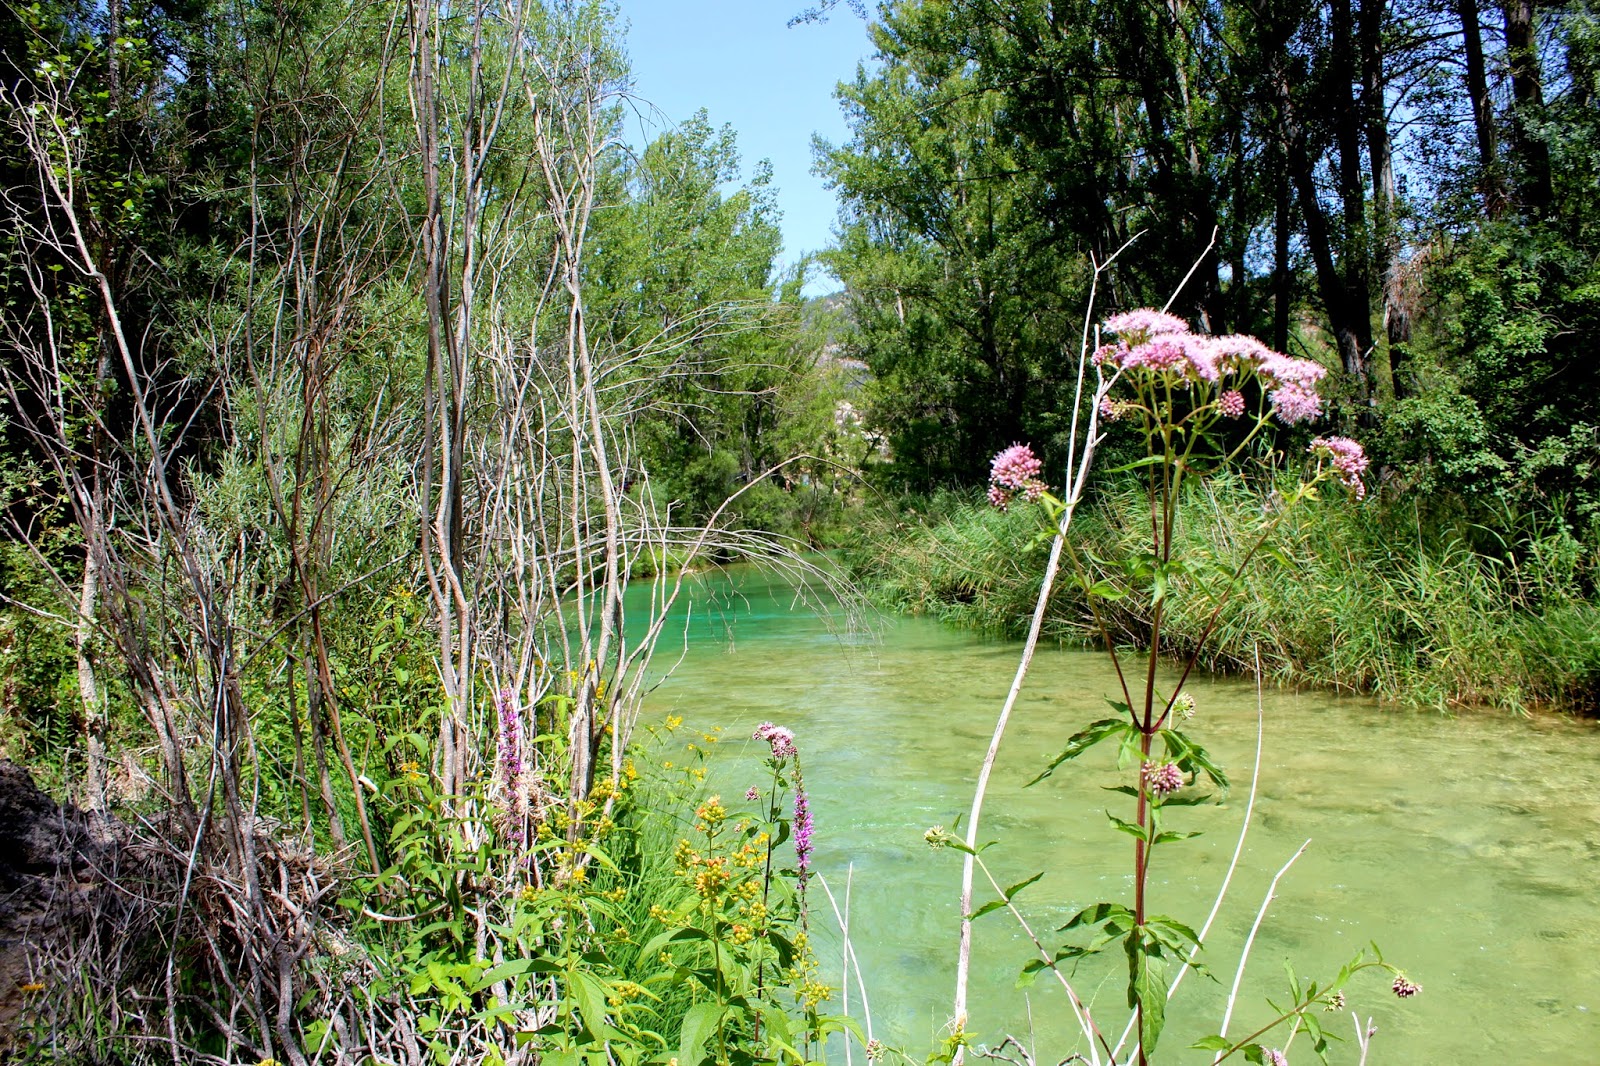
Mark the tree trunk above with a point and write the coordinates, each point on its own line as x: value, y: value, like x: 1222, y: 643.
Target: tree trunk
x: 1492, y: 182
x: 1282, y: 278
x: 1385, y: 229
x: 1527, y: 99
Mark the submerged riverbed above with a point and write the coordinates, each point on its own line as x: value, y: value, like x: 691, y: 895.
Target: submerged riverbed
x: 1468, y: 848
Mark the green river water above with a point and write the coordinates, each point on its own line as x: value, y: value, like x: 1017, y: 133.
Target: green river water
x: 1468, y: 848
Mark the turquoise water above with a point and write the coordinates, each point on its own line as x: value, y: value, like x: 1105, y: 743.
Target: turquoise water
x: 1468, y: 848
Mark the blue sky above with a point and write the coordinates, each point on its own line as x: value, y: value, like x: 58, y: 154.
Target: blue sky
x: 740, y: 61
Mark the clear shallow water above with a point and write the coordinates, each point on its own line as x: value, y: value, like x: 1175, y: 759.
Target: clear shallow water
x: 1468, y: 848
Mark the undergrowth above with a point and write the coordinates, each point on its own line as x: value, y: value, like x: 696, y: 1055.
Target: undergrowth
x: 1377, y: 599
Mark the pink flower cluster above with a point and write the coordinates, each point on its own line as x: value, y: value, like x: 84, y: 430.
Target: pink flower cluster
x: 780, y: 739
x: 1159, y: 343
x: 1162, y: 779
x: 1348, y: 459
x: 1015, y: 470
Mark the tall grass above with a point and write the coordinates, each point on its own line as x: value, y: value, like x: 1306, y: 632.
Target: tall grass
x: 1376, y: 599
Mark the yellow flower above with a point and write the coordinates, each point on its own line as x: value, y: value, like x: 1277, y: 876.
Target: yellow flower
x: 33, y: 986
x: 674, y: 721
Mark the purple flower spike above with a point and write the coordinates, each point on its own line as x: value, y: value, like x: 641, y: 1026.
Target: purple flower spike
x: 802, y: 831
x: 510, y: 738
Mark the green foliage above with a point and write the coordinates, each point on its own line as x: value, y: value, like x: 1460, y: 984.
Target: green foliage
x: 1384, y: 598
x: 667, y: 929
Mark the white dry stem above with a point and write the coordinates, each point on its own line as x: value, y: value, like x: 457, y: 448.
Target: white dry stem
x: 1077, y: 476
x: 1363, y: 1036
x: 852, y: 962
x: 1244, y: 956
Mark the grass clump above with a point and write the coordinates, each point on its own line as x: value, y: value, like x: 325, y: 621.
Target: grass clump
x: 1378, y: 599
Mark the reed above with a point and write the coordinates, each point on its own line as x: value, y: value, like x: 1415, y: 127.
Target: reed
x: 1378, y: 599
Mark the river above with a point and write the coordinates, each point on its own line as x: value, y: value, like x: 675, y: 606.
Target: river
x: 1467, y: 848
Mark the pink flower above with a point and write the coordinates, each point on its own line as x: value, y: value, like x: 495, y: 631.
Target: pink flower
x: 1294, y: 402
x: 1015, y: 467
x: 1276, y: 370
x: 780, y: 739
x: 1274, y: 1057
x: 1231, y: 403
x: 1182, y: 354
x: 1015, y: 470
x: 1403, y: 988
x: 1162, y: 779
x: 1348, y: 458
x: 1146, y: 322
x: 752, y: 793
x: 1237, y: 353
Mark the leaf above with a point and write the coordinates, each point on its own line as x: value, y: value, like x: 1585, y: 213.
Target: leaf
x: 699, y: 1023
x: 661, y: 940
x: 590, y: 997
x: 1082, y: 741
x: 1135, y: 831
x: 1212, y: 1043
x: 1171, y: 835
x: 1105, y: 590
x: 515, y: 968
x: 1147, y: 989
x: 1139, y: 464
x: 1193, y: 758
x: 1180, y: 935
x: 1098, y: 914
x: 1006, y: 897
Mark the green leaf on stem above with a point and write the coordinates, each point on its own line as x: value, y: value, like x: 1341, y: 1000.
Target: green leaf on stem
x: 1101, y: 913
x: 1192, y: 758
x: 1084, y: 740
x: 1147, y: 989
x: 699, y: 1023
x: 1172, y: 933
x: 1138, y: 832
x: 1168, y: 836
x: 1006, y: 897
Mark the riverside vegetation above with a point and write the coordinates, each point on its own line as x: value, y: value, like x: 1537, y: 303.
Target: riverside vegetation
x: 354, y: 369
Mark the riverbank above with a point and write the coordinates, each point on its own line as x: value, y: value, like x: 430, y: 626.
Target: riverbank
x: 1371, y: 599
